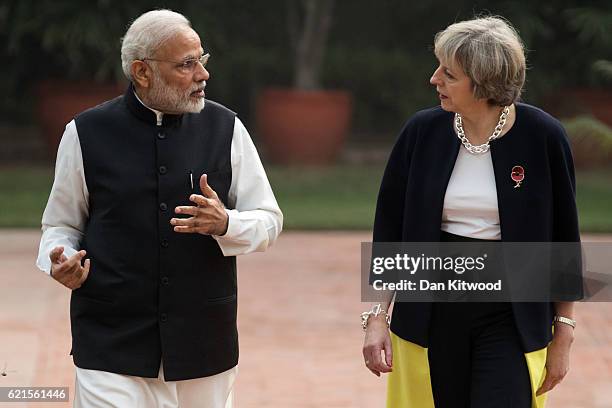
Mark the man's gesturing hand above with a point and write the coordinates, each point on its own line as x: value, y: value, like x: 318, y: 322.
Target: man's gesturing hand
x: 208, y: 217
x: 68, y: 271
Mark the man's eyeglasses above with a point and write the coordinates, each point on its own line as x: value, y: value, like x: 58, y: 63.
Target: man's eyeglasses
x: 189, y: 65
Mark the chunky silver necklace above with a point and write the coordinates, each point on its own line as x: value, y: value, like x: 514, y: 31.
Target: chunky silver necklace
x: 483, y: 148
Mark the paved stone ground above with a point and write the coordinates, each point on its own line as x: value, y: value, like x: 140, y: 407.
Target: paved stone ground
x: 299, y: 328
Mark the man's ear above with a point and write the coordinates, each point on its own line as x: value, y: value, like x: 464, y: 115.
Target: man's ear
x: 141, y: 74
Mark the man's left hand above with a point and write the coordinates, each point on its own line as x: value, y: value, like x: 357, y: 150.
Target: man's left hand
x: 208, y: 217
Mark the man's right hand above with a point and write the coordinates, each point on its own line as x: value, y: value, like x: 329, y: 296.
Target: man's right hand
x: 68, y: 271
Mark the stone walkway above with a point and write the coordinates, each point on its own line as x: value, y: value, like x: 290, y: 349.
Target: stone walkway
x: 299, y: 307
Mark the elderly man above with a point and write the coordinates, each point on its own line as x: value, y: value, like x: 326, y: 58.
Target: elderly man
x: 155, y: 193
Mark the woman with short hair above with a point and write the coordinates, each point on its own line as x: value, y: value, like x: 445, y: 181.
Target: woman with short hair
x: 482, y: 166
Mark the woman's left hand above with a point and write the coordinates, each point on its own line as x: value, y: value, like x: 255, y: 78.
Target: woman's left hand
x: 557, y: 357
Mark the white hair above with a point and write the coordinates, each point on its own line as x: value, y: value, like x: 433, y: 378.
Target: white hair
x: 490, y: 52
x: 147, y: 33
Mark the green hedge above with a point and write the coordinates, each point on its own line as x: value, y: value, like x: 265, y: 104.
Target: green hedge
x: 338, y: 197
x: 591, y: 142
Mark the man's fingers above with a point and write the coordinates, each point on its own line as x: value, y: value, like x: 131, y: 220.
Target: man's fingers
x: 193, y: 230
x: 69, y: 271
x: 62, y: 265
x: 206, y: 189
x: 183, y: 222
x: 76, y: 271
x: 201, y: 201
x: 179, y: 228
x: 72, y: 266
x: 78, y: 274
x: 194, y: 222
x: 186, y: 209
x: 86, y: 267
x: 76, y: 258
x: 56, y: 253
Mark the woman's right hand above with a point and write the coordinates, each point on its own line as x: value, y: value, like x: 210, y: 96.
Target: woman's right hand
x: 377, y: 340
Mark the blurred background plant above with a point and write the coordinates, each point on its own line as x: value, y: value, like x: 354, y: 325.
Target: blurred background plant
x: 591, y: 142
x: 381, y: 52
x: 593, y: 26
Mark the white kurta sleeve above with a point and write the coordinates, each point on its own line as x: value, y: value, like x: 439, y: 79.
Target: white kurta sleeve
x: 256, y: 221
x: 67, y: 210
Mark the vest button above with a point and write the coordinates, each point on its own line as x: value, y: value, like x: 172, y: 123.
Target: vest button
x: 162, y: 169
x: 161, y: 135
x: 164, y: 243
x: 163, y: 206
x: 163, y: 317
x: 164, y: 280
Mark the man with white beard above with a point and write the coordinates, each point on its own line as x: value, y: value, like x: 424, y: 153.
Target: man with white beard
x: 155, y: 193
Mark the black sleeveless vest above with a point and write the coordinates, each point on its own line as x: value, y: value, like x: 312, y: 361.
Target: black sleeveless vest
x: 153, y: 294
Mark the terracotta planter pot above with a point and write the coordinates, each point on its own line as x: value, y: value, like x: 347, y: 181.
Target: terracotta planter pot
x: 303, y: 127
x: 59, y: 101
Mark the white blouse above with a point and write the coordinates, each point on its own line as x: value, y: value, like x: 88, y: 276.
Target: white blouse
x: 470, y: 203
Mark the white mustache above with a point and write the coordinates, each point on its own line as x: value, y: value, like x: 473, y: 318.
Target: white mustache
x: 199, y: 87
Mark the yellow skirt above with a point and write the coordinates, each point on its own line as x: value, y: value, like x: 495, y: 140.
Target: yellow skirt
x: 409, y: 385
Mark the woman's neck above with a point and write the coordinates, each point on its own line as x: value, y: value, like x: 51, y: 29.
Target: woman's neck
x: 480, y: 121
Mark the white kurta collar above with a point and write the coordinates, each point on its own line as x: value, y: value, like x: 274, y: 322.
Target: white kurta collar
x: 158, y: 114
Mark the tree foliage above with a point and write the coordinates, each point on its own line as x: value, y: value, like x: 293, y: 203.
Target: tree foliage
x: 381, y: 51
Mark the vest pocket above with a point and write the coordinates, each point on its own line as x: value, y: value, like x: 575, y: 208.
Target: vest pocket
x: 93, y: 298
x: 221, y: 300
